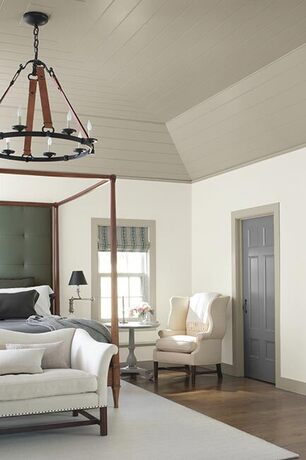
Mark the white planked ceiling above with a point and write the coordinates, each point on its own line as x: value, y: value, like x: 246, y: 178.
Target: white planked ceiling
x: 261, y: 116
x: 132, y: 66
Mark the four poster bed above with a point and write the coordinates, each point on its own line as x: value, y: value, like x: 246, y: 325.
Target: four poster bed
x: 44, y: 269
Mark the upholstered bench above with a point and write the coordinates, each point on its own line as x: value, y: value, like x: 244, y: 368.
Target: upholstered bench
x: 78, y: 385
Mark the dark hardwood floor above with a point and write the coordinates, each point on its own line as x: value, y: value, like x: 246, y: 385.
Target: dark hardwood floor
x: 249, y: 405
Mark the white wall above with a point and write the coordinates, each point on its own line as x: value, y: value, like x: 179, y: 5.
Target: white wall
x: 281, y: 179
x: 166, y: 203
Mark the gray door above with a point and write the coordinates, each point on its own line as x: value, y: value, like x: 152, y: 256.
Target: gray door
x: 258, y: 294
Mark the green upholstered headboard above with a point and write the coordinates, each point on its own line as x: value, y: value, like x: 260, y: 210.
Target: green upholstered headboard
x: 26, y: 243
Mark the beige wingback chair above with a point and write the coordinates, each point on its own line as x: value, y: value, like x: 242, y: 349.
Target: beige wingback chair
x: 196, y: 327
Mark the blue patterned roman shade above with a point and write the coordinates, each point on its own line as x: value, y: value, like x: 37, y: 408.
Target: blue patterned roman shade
x: 129, y: 239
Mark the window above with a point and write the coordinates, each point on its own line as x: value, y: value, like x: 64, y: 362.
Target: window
x: 133, y: 275
x: 135, y: 266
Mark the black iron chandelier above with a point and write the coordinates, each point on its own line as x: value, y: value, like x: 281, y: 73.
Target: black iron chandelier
x: 85, y: 143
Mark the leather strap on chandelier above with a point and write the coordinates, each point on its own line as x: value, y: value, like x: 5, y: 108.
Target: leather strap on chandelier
x: 30, y: 116
x: 85, y: 144
x: 37, y: 75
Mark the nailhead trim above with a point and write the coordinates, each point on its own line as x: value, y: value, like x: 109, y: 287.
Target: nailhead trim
x: 50, y: 411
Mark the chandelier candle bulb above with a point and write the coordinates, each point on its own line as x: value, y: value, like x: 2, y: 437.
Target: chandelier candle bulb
x: 89, y: 127
x: 19, y: 116
x: 8, y: 143
x: 69, y: 118
x: 49, y: 143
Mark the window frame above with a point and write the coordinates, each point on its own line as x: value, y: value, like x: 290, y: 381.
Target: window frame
x: 95, y: 275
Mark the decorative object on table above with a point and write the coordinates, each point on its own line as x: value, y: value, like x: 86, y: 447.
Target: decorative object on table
x: 85, y: 143
x: 124, y: 321
x: 144, y: 313
x: 77, y: 279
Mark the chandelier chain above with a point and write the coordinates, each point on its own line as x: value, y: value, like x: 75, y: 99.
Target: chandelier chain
x: 36, y: 41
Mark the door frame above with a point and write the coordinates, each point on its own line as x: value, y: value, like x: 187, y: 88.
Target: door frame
x: 272, y: 209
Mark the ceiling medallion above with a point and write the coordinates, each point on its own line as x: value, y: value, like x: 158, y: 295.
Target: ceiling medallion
x: 85, y: 143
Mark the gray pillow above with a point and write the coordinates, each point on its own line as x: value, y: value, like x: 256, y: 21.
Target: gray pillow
x: 18, y: 305
x: 16, y: 283
x: 21, y: 361
x: 54, y: 356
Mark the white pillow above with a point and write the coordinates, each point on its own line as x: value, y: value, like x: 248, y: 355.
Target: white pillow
x: 42, y: 306
x: 54, y: 356
x: 21, y: 361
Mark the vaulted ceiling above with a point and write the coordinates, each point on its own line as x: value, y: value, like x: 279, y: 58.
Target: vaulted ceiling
x: 175, y: 89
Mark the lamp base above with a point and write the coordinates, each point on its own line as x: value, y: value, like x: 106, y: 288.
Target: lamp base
x: 71, y: 309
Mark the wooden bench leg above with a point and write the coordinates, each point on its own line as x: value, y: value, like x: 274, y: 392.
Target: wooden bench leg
x: 193, y: 374
x: 219, y: 371
x: 155, y: 371
x: 116, y: 391
x: 103, y: 421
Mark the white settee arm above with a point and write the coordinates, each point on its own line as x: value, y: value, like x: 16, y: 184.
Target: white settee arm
x: 93, y: 357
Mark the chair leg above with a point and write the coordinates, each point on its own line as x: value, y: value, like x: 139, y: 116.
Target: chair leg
x: 103, y: 421
x: 193, y: 374
x: 155, y: 371
x: 219, y: 371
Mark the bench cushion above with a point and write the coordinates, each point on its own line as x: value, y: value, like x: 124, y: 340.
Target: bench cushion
x: 177, y: 344
x: 51, y: 382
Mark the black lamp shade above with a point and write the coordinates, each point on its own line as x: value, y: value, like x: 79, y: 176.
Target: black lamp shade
x: 77, y: 278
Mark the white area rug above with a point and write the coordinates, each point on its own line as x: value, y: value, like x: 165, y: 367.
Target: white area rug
x: 145, y: 427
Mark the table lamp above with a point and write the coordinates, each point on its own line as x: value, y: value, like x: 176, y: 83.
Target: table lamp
x: 77, y: 279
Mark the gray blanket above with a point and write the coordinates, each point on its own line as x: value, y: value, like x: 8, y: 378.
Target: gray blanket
x: 20, y: 325
x: 38, y: 324
x: 96, y: 330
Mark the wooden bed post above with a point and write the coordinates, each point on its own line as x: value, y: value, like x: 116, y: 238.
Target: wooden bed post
x: 55, y: 258
x: 114, y: 320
